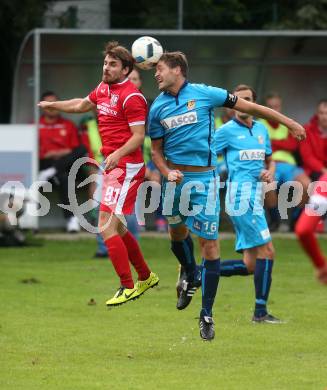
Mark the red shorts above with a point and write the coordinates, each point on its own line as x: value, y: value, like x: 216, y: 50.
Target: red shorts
x: 120, y: 186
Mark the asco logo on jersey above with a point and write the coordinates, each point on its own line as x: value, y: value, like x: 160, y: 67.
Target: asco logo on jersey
x: 252, y: 154
x: 179, y: 120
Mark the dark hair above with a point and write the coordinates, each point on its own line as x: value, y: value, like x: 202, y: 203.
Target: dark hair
x: 322, y: 101
x: 48, y: 93
x: 174, y: 59
x: 113, y: 49
x: 245, y: 87
x: 272, y: 95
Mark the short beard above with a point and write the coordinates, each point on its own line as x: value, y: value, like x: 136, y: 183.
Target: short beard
x: 109, y: 82
x: 165, y: 88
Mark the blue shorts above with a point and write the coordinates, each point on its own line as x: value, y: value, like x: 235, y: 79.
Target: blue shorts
x: 250, y: 226
x: 194, y: 202
x: 286, y: 172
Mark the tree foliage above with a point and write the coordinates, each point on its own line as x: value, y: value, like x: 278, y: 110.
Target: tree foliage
x: 307, y: 15
x: 16, y: 19
x: 221, y: 14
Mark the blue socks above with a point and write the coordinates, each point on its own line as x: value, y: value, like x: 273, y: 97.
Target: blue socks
x: 210, y: 279
x: 262, y: 283
x: 184, y: 252
x: 233, y: 267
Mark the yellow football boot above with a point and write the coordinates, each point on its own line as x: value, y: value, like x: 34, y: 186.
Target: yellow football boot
x: 123, y: 295
x: 150, y: 282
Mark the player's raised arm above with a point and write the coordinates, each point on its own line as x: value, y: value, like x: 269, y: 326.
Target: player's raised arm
x: 259, y: 111
x: 158, y: 157
x: 78, y: 105
x: 136, y: 141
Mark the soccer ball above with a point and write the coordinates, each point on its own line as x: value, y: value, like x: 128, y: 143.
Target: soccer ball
x: 146, y: 52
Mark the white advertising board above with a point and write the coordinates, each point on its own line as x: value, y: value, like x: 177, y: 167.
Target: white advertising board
x: 19, y: 163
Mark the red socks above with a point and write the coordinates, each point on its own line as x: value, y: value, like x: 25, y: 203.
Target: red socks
x: 125, y: 249
x: 135, y: 256
x: 305, y: 228
x: 119, y: 259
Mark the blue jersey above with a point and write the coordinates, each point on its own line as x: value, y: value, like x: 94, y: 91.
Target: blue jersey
x: 186, y: 123
x: 244, y: 148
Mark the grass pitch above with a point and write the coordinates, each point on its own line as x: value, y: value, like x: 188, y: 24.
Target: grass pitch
x: 52, y: 338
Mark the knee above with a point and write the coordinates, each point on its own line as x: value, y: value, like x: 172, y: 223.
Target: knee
x: 179, y: 233
x: 122, y: 229
x: 249, y: 259
x: 267, y: 251
x: 103, y: 225
x: 250, y: 267
x: 270, y: 252
x: 209, y: 249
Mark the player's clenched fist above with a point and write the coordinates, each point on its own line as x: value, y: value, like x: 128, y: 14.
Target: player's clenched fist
x: 112, y: 160
x: 175, y: 175
x: 297, y: 131
x: 266, y: 176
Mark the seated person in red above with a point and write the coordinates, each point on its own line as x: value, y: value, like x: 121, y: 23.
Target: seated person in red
x: 314, y: 148
x: 59, y: 148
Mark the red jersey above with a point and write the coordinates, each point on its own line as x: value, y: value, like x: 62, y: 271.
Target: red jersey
x: 119, y: 106
x: 62, y: 134
x: 314, y: 148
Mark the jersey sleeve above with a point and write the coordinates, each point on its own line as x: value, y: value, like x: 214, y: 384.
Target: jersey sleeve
x: 268, y: 150
x: 220, y: 140
x: 155, y: 128
x: 221, y: 97
x: 92, y: 96
x: 135, y: 108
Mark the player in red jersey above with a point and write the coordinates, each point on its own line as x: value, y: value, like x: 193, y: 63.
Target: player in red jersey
x: 121, y: 110
x: 306, y: 226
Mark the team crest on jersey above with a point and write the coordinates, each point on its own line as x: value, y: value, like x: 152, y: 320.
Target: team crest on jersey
x: 260, y: 139
x: 63, y: 132
x: 113, y: 100
x: 191, y: 104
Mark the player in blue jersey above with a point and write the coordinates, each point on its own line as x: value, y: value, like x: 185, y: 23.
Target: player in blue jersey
x: 181, y: 126
x: 246, y: 146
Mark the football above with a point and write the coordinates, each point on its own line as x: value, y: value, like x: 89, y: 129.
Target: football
x: 146, y: 52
